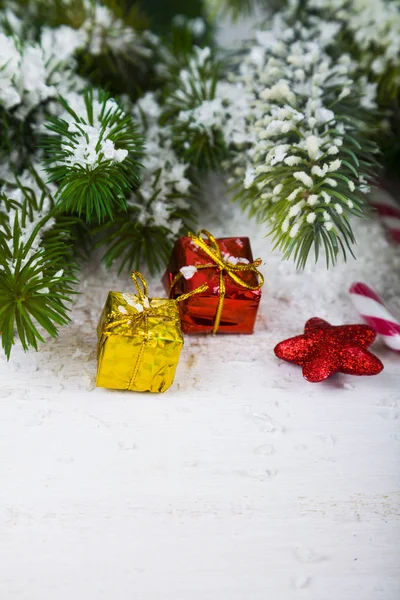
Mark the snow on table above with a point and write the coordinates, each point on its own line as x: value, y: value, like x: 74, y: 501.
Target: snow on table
x: 243, y: 482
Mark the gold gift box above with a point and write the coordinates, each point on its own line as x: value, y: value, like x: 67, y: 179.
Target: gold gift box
x: 139, y: 341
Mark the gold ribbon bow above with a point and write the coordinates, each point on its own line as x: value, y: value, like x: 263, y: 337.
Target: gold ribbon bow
x: 142, y: 307
x: 142, y: 294
x: 225, y: 268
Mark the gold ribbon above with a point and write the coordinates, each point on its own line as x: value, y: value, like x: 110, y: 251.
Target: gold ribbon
x: 143, y: 297
x: 142, y: 294
x: 132, y: 317
x: 225, y: 268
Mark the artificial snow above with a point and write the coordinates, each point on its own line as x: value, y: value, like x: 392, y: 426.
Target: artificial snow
x: 189, y: 271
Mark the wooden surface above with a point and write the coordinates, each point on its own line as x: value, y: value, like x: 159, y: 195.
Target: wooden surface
x: 243, y: 482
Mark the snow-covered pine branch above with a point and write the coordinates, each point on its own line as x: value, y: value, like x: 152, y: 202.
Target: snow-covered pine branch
x: 93, y: 154
x: 369, y: 29
x: 197, y: 107
x: 310, y: 162
x: 163, y: 204
x: 36, y: 274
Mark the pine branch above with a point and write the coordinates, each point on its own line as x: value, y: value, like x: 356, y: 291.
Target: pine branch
x: 117, y: 46
x: 368, y: 31
x: 147, y: 232
x: 94, y: 156
x: 311, y: 160
x: 18, y: 139
x: 103, y: 41
x: 195, y: 112
x: 132, y: 244
x: 160, y: 208
x: 34, y: 288
x: 176, y: 50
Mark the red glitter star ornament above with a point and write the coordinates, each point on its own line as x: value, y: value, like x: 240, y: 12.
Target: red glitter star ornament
x: 325, y: 349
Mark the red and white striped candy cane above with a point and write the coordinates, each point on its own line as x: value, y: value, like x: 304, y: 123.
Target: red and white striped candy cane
x: 375, y: 314
x: 388, y: 210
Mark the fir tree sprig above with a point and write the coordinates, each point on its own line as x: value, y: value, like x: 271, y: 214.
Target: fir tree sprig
x: 173, y: 54
x: 34, y: 288
x: 117, y: 45
x: 310, y: 162
x: 93, y: 156
x: 130, y: 243
x: 195, y: 110
x: 162, y: 206
x: 369, y: 31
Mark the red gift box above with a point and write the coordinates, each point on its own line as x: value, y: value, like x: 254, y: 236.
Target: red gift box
x: 227, y: 275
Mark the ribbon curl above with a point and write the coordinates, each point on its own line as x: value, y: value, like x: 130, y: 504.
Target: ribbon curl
x: 140, y: 309
x: 224, y: 267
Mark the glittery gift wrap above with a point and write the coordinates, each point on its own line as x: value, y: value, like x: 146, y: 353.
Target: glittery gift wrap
x: 198, y: 313
x: 138, y: 348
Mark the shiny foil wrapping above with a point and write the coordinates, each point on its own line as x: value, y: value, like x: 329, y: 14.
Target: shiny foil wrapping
x: 138, y: 350
x: 198, y: 312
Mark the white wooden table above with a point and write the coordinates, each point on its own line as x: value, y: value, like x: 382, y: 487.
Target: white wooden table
x: 243, y: 482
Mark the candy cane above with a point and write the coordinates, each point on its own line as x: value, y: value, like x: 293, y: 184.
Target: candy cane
x: 375, y: 314
x: 388, y: 210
